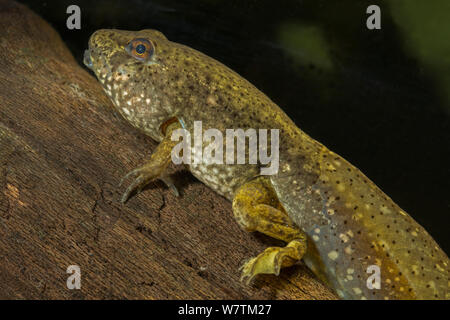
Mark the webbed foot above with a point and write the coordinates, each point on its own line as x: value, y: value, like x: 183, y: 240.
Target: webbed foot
x: 272, y: 259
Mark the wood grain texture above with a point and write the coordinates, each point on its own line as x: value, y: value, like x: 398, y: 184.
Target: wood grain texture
x: 63, y: 151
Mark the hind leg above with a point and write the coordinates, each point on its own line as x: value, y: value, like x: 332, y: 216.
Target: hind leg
x: 256, y: 208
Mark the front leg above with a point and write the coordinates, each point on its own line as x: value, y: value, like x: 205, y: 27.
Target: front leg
x: 256, y: 208
x: 156, y: 166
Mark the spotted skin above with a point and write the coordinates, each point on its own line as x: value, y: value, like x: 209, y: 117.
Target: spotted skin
x: 349, y: 222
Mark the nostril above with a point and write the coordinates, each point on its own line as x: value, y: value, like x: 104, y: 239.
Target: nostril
x: 87, y: 58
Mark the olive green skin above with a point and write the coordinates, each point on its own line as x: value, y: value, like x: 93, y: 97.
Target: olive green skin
x: 351, y: 224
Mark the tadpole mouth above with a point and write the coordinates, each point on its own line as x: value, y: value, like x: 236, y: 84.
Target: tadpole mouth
x: 87, y: 58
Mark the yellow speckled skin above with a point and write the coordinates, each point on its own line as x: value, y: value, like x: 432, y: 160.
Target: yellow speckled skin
x: 349, y: 222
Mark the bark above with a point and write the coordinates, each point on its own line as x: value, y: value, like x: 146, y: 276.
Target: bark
x: 63, y: 151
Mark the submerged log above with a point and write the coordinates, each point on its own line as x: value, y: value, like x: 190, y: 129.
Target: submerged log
x: 63, y: 151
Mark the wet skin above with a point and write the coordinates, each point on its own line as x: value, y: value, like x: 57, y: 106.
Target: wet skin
x: 328, y: 212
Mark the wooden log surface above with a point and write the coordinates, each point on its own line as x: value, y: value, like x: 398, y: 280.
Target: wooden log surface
x: 63, y: 151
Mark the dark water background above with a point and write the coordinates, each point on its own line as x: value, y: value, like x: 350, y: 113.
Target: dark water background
x: 379, y: 98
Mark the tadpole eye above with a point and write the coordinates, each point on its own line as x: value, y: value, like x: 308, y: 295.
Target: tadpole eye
x: 141, y: 49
